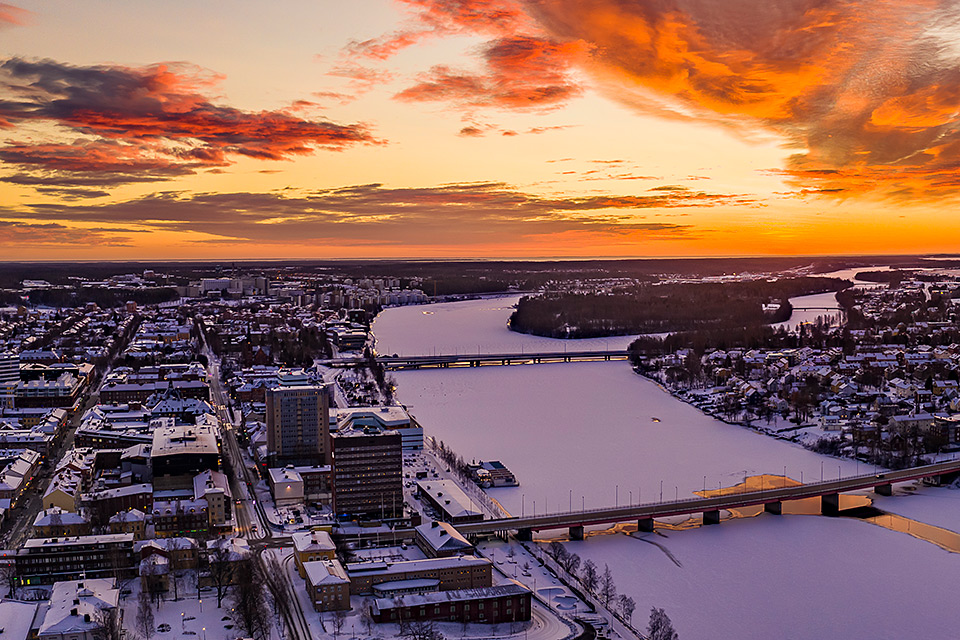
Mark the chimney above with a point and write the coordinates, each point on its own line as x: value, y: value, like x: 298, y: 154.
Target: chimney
x: 73, y: 612
x: 433, y: 525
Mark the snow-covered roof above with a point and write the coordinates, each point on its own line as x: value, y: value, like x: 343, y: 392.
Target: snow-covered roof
x: 313, y: 541
x: 442, y: 536
x: 16, y: 619
x: 325, y: 572
x: 71, y: 603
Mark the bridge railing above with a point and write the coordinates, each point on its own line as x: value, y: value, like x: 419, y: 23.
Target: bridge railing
x: 732, y: 499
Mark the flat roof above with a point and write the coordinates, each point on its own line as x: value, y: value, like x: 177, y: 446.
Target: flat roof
x: 190, y: 439
x: 405, y: 566
x: 512, y: 588
x: 452, y: 499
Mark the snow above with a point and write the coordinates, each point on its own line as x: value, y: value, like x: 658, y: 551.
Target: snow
x: 543, y: 626
x: 193, y: 624
x: 468, y: 327
x: 939, y: 506
x: 786, y: 577
x: 586, y: 428
x: 585, y: 434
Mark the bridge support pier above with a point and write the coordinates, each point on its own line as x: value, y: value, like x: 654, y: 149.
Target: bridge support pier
x: 884, y: 489
x: 645, y: 525
x: 524, y: 535
x: 776, y: 508
x: 711, y: 517
x: 830, y: 504
x: 576, y: 533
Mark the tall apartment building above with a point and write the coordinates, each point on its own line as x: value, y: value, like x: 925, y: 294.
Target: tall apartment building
x: 298, y: 424
x: 368, y: 473
x: 9, y: 377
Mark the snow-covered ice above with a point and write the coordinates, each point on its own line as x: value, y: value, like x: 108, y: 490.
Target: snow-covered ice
x: 573, y: 433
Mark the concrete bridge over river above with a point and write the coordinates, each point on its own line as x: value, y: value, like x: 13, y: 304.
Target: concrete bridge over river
x: 772, y: 499
x: 444, y: 361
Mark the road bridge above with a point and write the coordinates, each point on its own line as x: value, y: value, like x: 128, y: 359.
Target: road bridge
x: 481, y: 359
x: 828, y: 491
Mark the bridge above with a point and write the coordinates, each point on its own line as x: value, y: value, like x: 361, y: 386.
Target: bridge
x: 772, y: 499
x: 481, y: 359
x: 834, y: 309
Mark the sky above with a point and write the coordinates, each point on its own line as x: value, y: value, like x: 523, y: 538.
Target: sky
x: 477, y: 129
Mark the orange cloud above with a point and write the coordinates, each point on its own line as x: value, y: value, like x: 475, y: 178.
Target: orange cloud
x: 521, y: 72
x: 869, y: 92
x: 154, y: 119
x: 11, y: 16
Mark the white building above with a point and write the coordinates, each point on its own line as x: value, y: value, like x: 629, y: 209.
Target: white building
x: 75, y: 609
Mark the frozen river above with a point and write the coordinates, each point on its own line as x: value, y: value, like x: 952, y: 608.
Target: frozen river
x: 594, y: 434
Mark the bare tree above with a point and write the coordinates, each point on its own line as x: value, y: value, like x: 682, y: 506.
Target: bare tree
x: 660, y: 627
x: 9, y: 578
x: 422, y: 630
x: 339, y: 619
x: 589, y: 576
x: 556, y: 550
x: 108, y: 624
x: 248, y: 602
x: 366, y: 618
x: 145, y: 621
x: 608, y: 589
x: 627, y: 606
x: 571, y: 562
x: 221, y: 570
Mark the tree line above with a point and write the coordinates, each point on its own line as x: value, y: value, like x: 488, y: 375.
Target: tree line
x: 656, y: 308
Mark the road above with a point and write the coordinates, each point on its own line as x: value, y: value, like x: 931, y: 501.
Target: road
x: 247, y: 509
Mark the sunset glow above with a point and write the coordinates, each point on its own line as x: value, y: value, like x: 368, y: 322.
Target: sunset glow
x: 464, y: 128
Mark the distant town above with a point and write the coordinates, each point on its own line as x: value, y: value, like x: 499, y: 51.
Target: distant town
x: 200, y: 449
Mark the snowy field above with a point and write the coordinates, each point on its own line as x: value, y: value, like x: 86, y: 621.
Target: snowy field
x: 595, y: 433
x: 793, y: 577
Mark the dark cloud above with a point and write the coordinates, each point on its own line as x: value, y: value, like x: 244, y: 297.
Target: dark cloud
x: 155, y: 121
x: 19, y: 233
x: 456, y: 214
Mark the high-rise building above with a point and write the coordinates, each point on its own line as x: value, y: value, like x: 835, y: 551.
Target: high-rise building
x: 9, y: 377
x: 368, y: 473
x: 298, y: 424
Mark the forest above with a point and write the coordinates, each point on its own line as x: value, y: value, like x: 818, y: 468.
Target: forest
x: 657, y: 308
